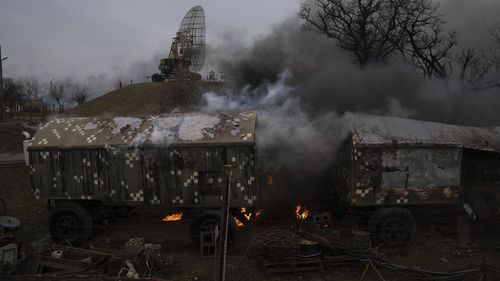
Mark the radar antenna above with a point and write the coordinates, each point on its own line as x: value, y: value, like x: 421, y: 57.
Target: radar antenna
x: 187, y: 52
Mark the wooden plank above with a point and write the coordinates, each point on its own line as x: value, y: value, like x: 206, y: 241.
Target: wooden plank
x: 292, y: 265
x: 63, y: 267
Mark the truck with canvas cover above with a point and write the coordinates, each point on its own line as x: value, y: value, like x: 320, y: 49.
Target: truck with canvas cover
x: 88, y: 168
x: 393, y: 165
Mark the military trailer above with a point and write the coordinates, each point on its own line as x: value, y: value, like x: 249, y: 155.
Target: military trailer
x: 393, y: 166
x: 88, y: 168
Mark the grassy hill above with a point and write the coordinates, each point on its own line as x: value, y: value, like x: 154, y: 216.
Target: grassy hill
x: 148, y: 98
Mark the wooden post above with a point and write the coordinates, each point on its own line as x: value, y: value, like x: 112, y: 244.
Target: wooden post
x: 222, y: 251
x: 2, y: 95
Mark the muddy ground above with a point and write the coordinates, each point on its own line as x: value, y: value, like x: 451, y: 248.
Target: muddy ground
x: 431, y: 251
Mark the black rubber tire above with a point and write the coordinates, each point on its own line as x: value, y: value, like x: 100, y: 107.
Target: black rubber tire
x: 393, y: 227
x: 208, y: 220
x: 70, y: 222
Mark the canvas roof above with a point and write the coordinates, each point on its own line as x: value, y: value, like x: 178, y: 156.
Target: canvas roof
x: 179, y: 128
x: 384, y: 130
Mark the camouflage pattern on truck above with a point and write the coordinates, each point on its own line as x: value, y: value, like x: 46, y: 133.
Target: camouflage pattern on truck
x: 397, y: 161
x: 174, y: 160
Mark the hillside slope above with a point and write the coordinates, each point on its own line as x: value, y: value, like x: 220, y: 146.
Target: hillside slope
x: 148, y: 98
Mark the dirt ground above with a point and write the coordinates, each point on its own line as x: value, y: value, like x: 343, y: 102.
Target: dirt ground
x: 147, y: 98
x: 431, y: 251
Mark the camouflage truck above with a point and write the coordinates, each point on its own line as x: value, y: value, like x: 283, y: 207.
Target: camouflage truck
x: 395, y: 166
x: 89, y: 168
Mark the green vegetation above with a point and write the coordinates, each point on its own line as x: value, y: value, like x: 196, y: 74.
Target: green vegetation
x: 148, y: 98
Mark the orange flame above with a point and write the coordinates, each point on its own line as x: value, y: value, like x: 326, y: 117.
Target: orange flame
x: 301, y: 212
x: 258, y: 213
x: 174, y: 217
x: 239, y: 224
x: 247, y: 216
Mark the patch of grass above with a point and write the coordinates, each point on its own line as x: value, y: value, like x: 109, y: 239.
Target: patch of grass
x: 148, y: 98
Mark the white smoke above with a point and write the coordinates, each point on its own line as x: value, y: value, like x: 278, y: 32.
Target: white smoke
x: 264, y: 96
x: 287, y: 136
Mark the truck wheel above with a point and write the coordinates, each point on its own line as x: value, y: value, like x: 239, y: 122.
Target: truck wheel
x: 393, y: 227
x: 70, y: 222
x: 208, y: 221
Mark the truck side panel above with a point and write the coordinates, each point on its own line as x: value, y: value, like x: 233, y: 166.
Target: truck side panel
x: 75, y: 174
x: 169, y: 177
x: 405, y: 175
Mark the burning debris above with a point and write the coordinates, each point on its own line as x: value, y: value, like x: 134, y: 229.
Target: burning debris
x: 238, y: 223
x: 301, y: 212
x: 247, y: 215
x: 173, y: 217
x: 258, y: 213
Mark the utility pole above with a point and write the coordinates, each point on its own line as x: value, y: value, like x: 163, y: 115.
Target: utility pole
x: 226, y: 196
x: 1, y: 87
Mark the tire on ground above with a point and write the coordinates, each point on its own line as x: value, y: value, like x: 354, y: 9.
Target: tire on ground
x: 393, y: 227
x: 70, y: 222
x: 207, y: 221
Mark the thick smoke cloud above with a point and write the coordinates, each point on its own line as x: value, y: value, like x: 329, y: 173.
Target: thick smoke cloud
x: 325, y: 78
x: 301, y: 84
x: 286, y: 134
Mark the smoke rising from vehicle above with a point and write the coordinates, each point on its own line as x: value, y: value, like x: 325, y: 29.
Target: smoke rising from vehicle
x: 301, y: 83
x: 286, y: 134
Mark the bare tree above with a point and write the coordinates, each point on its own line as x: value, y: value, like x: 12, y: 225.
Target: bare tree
x: 31, y: 88
x: 426, y: 46
x: 494, y: 31
x: 13, y: 93
x: 371, y: 30
x: 80, y: 94
x: 56, y: 92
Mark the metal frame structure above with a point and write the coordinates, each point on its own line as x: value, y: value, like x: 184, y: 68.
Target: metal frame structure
x: 192, y: 30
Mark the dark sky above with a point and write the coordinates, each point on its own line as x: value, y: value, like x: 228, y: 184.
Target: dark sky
x: 70, y: 38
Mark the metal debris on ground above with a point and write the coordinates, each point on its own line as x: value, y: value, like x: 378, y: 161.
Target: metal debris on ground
x: 8, y: 258
x: 275, y: 243
x: 360, y: 241
x: 134, y: 247
x: 67, y: 260
x: 281, y: 250
x: 143, y: 259
x: 9, y: 249
x: 129, y: 271
x: 324, y: 220
x: 292, y: 265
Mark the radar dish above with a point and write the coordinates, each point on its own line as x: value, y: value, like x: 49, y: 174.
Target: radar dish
x: 187, y: 52
x: 193, y: 28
